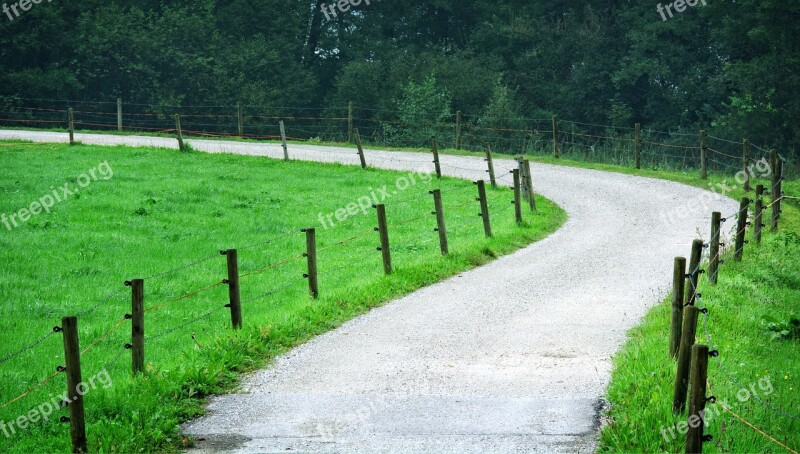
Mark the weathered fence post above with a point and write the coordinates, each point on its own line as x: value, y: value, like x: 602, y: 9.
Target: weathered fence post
x: 741, y: 229
x: 638, y: 146
x: 383, y: 231
x: 526, y: 164
x: 240, y: 119
x: 119, y: 114
x: 311, y: 259
x: 688, y: 332
x: 283, y: 141
x: 746, y: 163
x: 458, y: 130
x: 357, y: 136
x: 179, y: 132
x: 678, y: 280
x: 697, y: 399
x: 234, y: 291
x: 435, y: 152
x: 71, y: 125
x: 350, y: 122
x: 693, y: 272
x: 555, y: 137
x: 440, y: 225
x: 517, y: 196
x: 487, y: 226
x: 72, y: 368
x: 777, y: 194
x: 137, y: 325
x: 759, y: 215
x: 703, y: 156
x: 713, y: 247
x: 490, y: 164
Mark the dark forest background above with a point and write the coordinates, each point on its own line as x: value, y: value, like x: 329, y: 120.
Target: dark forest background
x: 731, y: 66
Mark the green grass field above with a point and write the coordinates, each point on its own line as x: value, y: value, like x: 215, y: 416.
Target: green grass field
x: 144, y: 212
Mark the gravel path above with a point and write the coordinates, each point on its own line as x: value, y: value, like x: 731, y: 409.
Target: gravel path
x: 511, y: 357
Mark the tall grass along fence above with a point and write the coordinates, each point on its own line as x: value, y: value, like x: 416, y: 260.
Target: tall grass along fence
x: 629, y: 146
x: 692, y: 388
x: 453, y: 214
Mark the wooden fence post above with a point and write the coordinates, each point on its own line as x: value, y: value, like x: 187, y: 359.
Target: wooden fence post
x: 383, y: 231
x: 119, y: 114
x: 311, y: 259
x: 283, y: 141
x: 526, y: 164
x: 72, y: 357
x: 240, y: 119
x: 693, y: 272
x: 71, y: 125
x: 689, y: 330
x: 234, y: 291
x: 697, y: 399
x: 638, y: 146
x: 517, y: 196
x: 490, y: 164
x: 746, y: 163
x: 350, y: 129
x: 759, y: 216
x: 555, y: 137
x: 435, y: 152
x: 777, y: 194
x: 458, y: 130
x: 678, y: 280
x: 487, y: 226
x: 361, y: 157
x: 440, y: 225
x: 703, y: 156
x: 178, y: 132
x: 741, y: 229
x: 713, y: 247
x: 137, y: 325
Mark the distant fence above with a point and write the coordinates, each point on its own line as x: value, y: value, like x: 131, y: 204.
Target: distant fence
x: 630, y: 146
x: 373, y: 245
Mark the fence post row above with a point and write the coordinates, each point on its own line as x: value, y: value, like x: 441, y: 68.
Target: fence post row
x: 137, y: 325
x: 71, y: 125
x: 440, y: 225
x: 361, y: 157
x: 678, y: 280
x: 178, y: 132
x: 693, y: 272
x: 517, y: 196
x: 741, y: 227
x: 350, y: 122
x: 703, y: 156
x: 746, y: 163
x: 72, y: 368
x: 697, y: 400
x: 638, y: 147
x: 383, y: 232
x: 487, y: 226
x: 689, y: 330
x: 311, y: 260
x: 458, y: 130
x: 713, y: 248
x: 233, y: 287
x: 759, y: 216
x: 240, y: 119
x: 526, y: 164
x: 283, y: 141
x: 435, y: 152
x: 490, y: 164
x: 777, y: 193
x: 555, y: 137
x: 119, y: 114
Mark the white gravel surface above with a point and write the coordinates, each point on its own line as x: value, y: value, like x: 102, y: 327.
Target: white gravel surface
x: 513, y: 356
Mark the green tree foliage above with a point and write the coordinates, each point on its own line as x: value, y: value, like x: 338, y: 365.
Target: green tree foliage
x: 421, y: 111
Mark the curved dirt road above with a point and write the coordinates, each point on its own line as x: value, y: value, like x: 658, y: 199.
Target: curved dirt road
x: 510, y: 357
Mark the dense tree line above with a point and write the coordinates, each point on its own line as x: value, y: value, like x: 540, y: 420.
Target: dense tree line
x: 731, y: 66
